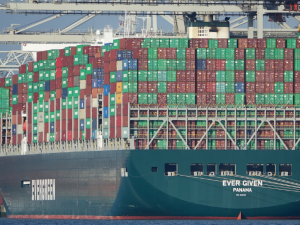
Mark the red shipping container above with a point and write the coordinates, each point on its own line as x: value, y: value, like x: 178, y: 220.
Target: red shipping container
x: 250, y: 87
x: 15, y: 79
x: 289, y: 53
x: 261, y: 43
x: 161, y: 98
x: 211, y: 87
x: 180, y: 87
x: 297, y: 88
x: 201, y: 87
x: 161, y: 53
x: 172, y: 53
x: 30, y: 66
x: 259, y: 76
x: 269, y: 65
x: 152, y: 86
x: 75, y: 135
x: 190, y: 53
x: 278, y: 65
x: 180, y: 75
x: 201, y: 76
x: 29, y: 138
x: 14, y: 139
x: 70, y: 115
x: 119, y: 132
x: 239, y: 76
x: 70, y: 71
x: 106, y: 78
x: 297, y: 76
x: 113, y: 66
x: 210, y: 98
x: 112, y: 121
x: 58, y: 83
x: 94, y: 113
x: 119, y: 110
x: 269, y: 76
x: 57, y: 105
x: 64, y: 125
x: 190, y: 87
x: 269, y: 87
x: 19, y: 139
x: 278, y: 76
x: 230, y: 98
x: 119, y: 121
x: 220, y: 64
x: 201, y: 98
x: 251, y: 43
x: 75, y: 124
x: 105, y: 101
x: 250, y: 99
x: 52, y: 85
x: 250, y: 64
x: 38, y: 56
x: 288, y: 87
x: 125, y: 110
x: 88, y: 101
x: 35, y: 97
x: 47, y: 96
x: 57, y: 136
x: 73, y: 50
x: 29, y: 107
x: 69, y: 124
x: 190, y: 76
x: 239, y: 53
x: 29, y: 119
x: 171, y: 87
x: 22, y: 68
x: 113, y: 88
x: 203, y: 42
x: 82, y: 94
x: 280, y: 43
x: 243, y: 43
x: 112, y: 130
x: 260, y: 87
x: 46, y: 127
x: 35, y: 77
x: 41, y: 137
x: 69, y: 135
x: 132, y: 98
x: 125, y: 121
x: 259, y: 53
x: 106, y: 67
x: 211, y: 76
x: 51, y: 106
x: 288, y: 64
x: 222, y: 43
x: 137, y: 53
x: 211, y: 64
x: 143, y: 87
x: 143, y: 64
x: 61, y: 62
x: 89, y: 79
x: 63, y: 135
x: 64, y: 114
x: 88, y: 134
x: 70, y: 60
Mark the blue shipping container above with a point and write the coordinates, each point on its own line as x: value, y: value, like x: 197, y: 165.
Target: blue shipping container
x: 239, y: 87
x: 95, y: 73
x: 129, y: 54
x: 94, y: 134
x: 94, y: 83
x: 81, y: 124
x: 47, y: 85
x: 14, y: 129
x: 100, y: 83
x: 64, y: 92
x: 81, y: 103
x: 132, y: 64
x: 106, y: 89
x: 52, y: 127
x: 125, y: 64
x: 15, y: 89
x: 94, y: 124
x: 120, y: 55
x: 119, y: 76
x: 201, y: 64
x: 105, y: 112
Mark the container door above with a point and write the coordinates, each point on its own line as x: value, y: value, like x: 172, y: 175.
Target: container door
x: 50, y: 189
x: 33, y: 188
x: 46, y: 189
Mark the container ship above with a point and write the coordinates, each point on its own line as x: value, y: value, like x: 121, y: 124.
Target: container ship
x: 204, y: 127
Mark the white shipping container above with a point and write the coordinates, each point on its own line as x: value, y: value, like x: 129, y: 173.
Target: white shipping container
x: 19, y: 129
x: 82, y: 114
x: 82, y: 84
x: 41, y: 117
x: 119, y: 65
x: 95, y: 103
x: 40, y: 126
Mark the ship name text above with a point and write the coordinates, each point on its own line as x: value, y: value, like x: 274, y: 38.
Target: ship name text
x: 245, y: 183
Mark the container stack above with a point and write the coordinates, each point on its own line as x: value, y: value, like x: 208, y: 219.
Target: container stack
x: 58, y: 96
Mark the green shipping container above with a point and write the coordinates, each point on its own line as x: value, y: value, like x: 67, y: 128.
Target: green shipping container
x: 239, y: 98
x: 52, y: 74
x: 183, y: 43
x: 180, y: 53
x: 152, y: 64
x: 181, y: 98
x: 171, y: 64
x: 171, y: 98
x: 221, y: 53
x: 171, y: 76
x: 229, y: 64
x: 30, y: 87
x: 162, y: 64
x: 142, y: 75
x: 220, y: 99
x: 230, y: 76
x: 229, y: 87
x: 132, y: 87
x: 64, y: 72
x: 181, y: 64
x: 291, y: 43
x: 64, y: 83
x: 190, y: 98
x: 125, y: 77
x: 113, y: 77
x: 116, y: 44
x: 269, y: 99
x: 79, y: 49
x: 288, y: 76
x: 211, y: 53
x: 279, y: 53
x: 142, y: 98
x: 162, y: 75
x: 297, y: 99
x: 29, y: 77
x: 152, y: 75
x: 162, y: 87
x: 269, y: 53
x: 30, y: 97
x: 154, y: 42
x: 164, y: 42
x: 152, y: 53
x: 279, y: 87
x: 271, y: 43
x: 174, y: 42
x: 297, y: 64
x: 259, y: 99
x: 260, y: 64
x: 239, y: 64
x: 132, y: 75
x: 279, y: 99
x: 229, y: 53
x: 67, y: 51
x: 232, y: 43
x: 288, y: 99
x: 35, y: 67
x: 125, y: 87
x: 52, y: 95
x: 220, y: 76
x: 213, y: 43
x: 112, y: 101
x: 201, y: 53
x: 152, y: 98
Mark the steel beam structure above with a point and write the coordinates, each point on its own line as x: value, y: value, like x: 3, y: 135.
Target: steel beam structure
x: 78, y: 23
